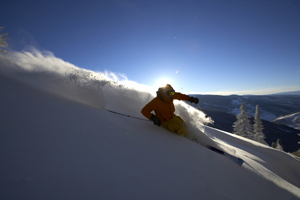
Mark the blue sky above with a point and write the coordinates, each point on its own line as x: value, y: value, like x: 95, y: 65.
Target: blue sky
x: 207, y: 47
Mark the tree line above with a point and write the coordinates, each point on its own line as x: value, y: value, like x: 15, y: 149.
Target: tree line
x: 254, y: 132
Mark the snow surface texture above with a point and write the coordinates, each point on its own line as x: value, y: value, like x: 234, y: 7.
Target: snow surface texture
x: 58, y: 142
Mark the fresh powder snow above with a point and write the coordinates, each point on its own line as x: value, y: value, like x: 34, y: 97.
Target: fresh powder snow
x: 58, y: 141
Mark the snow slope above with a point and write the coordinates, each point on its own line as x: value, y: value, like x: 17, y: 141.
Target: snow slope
x: 58, y: 142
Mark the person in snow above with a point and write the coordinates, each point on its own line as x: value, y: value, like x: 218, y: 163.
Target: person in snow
x: 164, y: 110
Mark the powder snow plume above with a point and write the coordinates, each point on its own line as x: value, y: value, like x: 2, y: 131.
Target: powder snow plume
x: 102, y: 90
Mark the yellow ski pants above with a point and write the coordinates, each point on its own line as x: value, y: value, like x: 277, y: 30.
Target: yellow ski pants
x: 176, y: 125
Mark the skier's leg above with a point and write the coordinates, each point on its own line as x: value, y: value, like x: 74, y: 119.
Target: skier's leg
x: 170, y: 125
x: 182, y: 131
x: 176, y: 125
x: 181, y: 127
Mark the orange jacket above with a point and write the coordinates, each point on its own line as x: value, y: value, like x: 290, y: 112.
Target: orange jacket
x: 164, y: 108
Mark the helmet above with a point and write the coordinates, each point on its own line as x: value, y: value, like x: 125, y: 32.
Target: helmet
x: 168, y: 91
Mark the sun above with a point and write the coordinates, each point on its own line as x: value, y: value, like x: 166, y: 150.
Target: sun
x: 162, y: 82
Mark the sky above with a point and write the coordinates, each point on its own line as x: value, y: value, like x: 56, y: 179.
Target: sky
x: 250, y: 47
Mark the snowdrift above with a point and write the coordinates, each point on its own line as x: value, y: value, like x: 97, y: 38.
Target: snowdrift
x: 58, y: 142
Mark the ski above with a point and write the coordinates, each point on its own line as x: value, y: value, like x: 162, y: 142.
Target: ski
x: 237, y: 160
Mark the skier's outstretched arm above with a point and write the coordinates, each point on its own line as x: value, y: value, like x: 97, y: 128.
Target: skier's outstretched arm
x: 185, y: 97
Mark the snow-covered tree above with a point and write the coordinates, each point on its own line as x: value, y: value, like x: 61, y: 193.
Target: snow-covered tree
x: 258, y: 127
x: 278, y: 145
x: 3, y: 41
x: 243, y: 126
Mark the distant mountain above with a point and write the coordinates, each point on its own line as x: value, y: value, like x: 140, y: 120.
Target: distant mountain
x: 288, y: 93
x: 292, y: 120
x: 271, y: 106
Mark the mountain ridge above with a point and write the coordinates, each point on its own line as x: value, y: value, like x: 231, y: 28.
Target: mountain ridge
x: 271, y: 106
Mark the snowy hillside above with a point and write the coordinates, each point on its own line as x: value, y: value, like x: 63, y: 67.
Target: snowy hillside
x: 292, y: 120
x: 58, y: 141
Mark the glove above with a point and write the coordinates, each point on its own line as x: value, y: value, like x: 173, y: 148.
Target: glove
x: 155, y: 120
x: 193, y: 100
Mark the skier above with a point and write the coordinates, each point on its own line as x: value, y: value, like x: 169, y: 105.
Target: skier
x: 164, y: 110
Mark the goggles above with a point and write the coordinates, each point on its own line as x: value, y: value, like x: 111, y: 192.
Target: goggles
x: 170, y: 92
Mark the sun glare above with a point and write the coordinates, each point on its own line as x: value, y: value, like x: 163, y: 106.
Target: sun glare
x: 162, y: 82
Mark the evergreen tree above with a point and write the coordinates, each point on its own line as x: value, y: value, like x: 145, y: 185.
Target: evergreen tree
x: 278, y: 145
x: 243, y: 126
x: 2, y: 41
x: 258, y: 127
